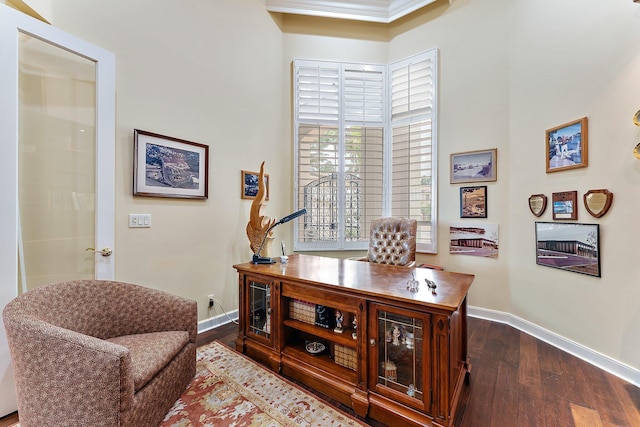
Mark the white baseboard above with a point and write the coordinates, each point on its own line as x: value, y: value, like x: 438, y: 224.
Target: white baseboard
x: 610, y: 365
x: 606, y: 363
x: 219, y: 320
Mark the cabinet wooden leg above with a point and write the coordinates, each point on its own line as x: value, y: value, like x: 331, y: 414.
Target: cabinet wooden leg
x: 360, y: 403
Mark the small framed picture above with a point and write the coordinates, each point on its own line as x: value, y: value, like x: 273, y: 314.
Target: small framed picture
x: 565, y: 205
x: 474, y: 166
x: 250, y: 184
x: 473, y: 202
x: 164, y: 166
x: 567, y: 146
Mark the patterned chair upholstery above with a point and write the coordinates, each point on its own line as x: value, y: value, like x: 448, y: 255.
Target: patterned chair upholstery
x: 99, y: 353
x: 393, y: 241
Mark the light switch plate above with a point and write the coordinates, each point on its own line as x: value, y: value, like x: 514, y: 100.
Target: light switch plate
x: 139, y: 220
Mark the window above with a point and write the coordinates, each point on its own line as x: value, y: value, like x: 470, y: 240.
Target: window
x: 364, y: 148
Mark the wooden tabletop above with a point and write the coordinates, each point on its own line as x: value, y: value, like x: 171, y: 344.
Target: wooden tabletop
x: 369, y: 279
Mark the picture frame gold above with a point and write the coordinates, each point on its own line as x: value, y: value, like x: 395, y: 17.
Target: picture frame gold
x: 565, y: 205
x: 567, y: 146
x: 474, y: 166
x: 537, y: 204
x: 597, y: 202
x: 249, y: 185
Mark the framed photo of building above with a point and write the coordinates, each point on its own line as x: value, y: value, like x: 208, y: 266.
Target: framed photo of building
x: 164, y: 166
x: 567, y: 146
x: 474, y: 239
x: 473, y: 202
x: 569, y: 246
x: 474, y: 166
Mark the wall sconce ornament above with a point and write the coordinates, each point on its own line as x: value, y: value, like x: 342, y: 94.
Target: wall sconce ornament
x: 636, y: 121
x: 598, y: 202
x: 537, y: 204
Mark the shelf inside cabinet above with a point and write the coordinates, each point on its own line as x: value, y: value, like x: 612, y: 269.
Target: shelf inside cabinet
x: 322, y: 361
x: 343, y: 338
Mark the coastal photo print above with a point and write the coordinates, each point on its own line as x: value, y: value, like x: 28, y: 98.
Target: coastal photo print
x: 474, y: 166
x: 164, y: 166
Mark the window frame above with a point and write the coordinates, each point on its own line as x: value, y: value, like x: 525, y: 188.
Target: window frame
x: 341, y: 244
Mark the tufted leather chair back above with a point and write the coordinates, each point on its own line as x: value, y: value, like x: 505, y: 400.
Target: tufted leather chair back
x: 393, y: 241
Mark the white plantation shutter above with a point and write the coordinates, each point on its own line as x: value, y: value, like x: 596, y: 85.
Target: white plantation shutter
x: 413, y: 180
x: 341, y: 133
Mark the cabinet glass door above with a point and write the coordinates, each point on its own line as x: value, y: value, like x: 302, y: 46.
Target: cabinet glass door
x: 402, y: 356
x: 260, y: 309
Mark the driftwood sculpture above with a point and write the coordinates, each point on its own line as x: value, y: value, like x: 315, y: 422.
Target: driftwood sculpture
x: 258, y: 223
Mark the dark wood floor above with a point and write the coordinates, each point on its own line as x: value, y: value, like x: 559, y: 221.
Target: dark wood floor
x: 518, y: 381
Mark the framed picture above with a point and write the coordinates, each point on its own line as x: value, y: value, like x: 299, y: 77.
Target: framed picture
x: 474, y: 239
x: 567, y: 146
x: 164, y: 166
x: 250, y: 184
x: 569, y: 246
x: 565, y: 205
x: 474, y: 166
x: 473, y: 202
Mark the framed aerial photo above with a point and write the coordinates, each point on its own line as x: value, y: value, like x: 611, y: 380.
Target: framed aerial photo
x: 164, y: 166
x: 474, y: 166
x: 567, y: 146
x: 473, y: 202
x: 250, y: 185
x: 569, y: 246
x: 565, y: 205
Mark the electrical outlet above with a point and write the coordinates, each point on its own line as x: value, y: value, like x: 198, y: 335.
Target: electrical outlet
x: 212, y: 300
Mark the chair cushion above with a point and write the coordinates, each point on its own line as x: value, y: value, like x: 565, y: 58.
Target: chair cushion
x: 151, y: 352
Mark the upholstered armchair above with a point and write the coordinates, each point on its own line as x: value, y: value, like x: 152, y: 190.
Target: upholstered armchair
x: 393, y: 241
x: 99, y: 353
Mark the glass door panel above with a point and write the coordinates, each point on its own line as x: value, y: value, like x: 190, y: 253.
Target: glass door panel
x: 56, y: 163
x: 260, y: 309
x: 400, y: 353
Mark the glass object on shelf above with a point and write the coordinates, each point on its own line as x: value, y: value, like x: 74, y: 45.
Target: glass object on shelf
x: 260, y: 307
x: 400, y: 355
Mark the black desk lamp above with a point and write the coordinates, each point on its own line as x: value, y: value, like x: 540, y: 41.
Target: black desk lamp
x: 257, y: 259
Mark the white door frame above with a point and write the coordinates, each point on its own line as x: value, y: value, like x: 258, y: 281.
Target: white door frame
x: 13, y: 22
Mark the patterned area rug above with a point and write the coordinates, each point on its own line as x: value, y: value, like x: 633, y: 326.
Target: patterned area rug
x: 230, y: 389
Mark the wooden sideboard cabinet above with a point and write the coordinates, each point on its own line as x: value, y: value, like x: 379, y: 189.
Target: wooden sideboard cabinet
x: 354, y: 331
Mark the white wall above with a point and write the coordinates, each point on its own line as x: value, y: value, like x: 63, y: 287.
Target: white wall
x: 208, y: 72
x: 509, y: 71
x: 568, y: 60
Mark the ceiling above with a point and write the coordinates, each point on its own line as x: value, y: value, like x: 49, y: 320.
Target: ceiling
x: 384, y: 11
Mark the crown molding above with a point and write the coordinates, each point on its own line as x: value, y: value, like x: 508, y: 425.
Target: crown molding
x: 382, y: 11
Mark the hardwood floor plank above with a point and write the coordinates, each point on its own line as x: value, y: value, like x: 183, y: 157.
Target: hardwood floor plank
x: 555, y: 392
x: 629, y: 397
x: 529, y: 368
x: 531, y: 408
x: 585, y: 417
x: 506, y: 394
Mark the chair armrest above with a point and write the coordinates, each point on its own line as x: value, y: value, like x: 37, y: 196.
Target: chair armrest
x: 76, y: 374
